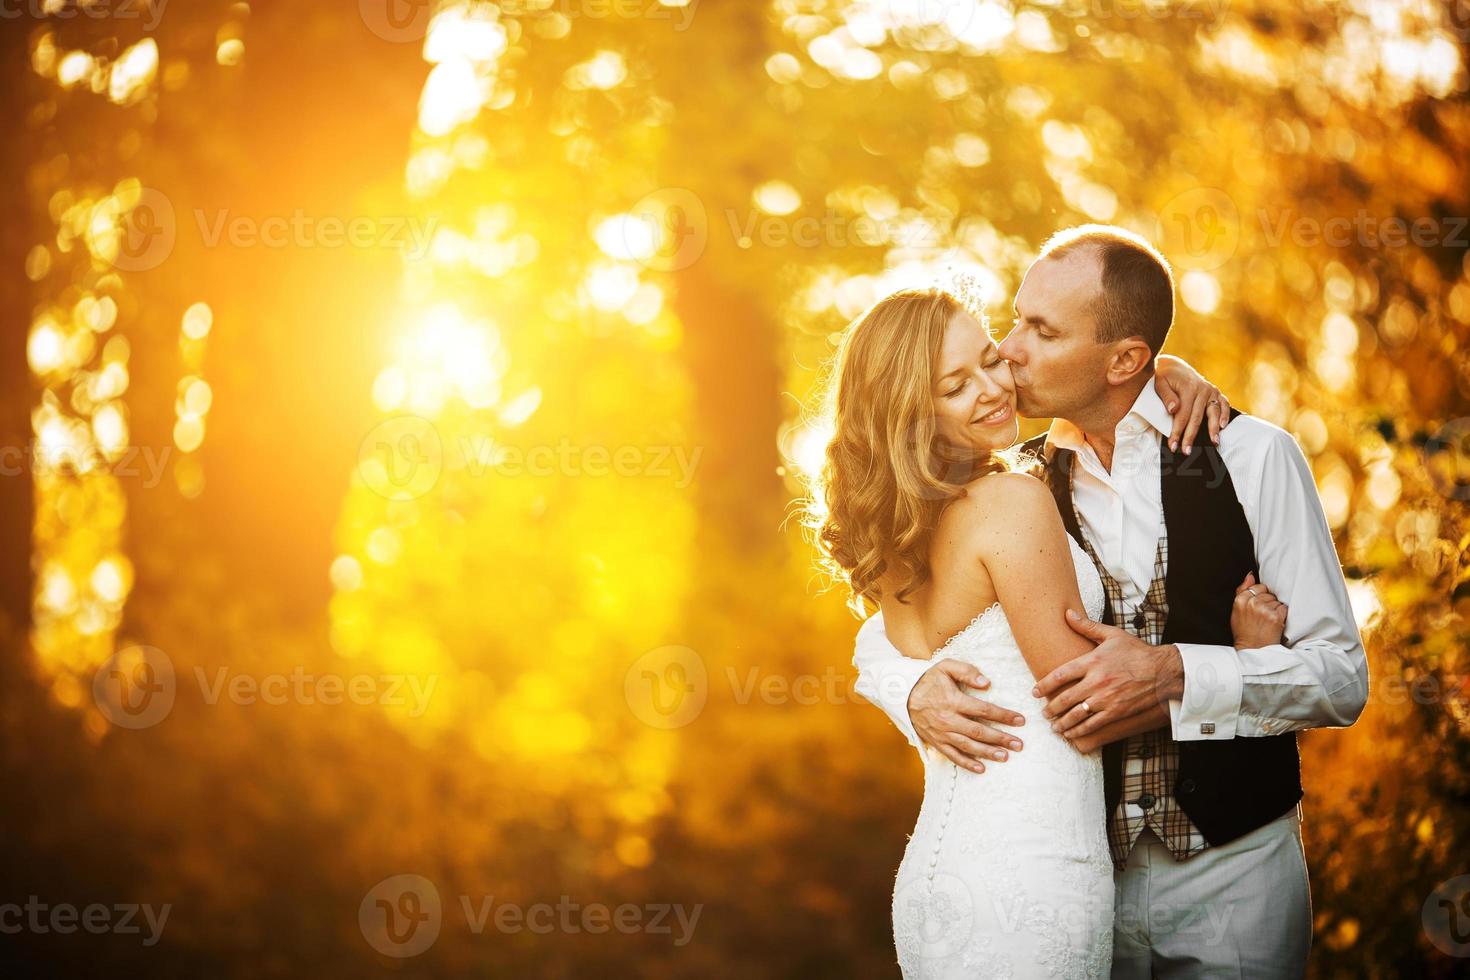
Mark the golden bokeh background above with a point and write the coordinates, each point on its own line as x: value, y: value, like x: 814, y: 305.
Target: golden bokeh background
x: 406, y: 400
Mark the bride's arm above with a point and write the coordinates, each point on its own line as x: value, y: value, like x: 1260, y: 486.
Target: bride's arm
x: 1024, y: 547
x: 1191, y: 399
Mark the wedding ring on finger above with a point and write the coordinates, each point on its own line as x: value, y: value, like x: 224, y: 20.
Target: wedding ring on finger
x: 1085, y: 709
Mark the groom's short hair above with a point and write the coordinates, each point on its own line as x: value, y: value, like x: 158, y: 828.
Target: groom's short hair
x: 1137, y: 284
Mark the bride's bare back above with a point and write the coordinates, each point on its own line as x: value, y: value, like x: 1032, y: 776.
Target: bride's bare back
x: 1002, y: 542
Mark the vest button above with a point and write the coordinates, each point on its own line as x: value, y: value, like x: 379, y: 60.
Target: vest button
x: 1145, y: 751
x: 1139, y: 621
x: 1147, y: 801
x: 1186, y: 786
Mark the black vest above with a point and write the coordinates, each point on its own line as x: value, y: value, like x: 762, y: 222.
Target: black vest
x: 1228, y: 787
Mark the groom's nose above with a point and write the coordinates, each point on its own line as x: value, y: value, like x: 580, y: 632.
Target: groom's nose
x: 1010, y: 349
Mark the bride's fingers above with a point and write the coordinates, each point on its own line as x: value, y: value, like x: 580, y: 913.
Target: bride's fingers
x: 978, y: 710
x: 1213, y: 416
x: 990, y: 736
x: 972, y: 753
x: 1196, y: 416
x: 977, y: 750
x: 959, y: 758
x: 1176, y: 429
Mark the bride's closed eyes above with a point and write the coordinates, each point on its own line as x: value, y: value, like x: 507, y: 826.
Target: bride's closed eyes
x: 992, y: 362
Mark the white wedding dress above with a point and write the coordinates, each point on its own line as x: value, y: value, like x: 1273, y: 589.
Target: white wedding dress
x: 1008, y: 873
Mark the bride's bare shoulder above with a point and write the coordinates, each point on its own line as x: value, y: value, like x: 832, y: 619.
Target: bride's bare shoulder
x: 1006, y: 500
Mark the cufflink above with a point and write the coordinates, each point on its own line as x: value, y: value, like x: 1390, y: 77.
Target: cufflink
x: 1207, y: 728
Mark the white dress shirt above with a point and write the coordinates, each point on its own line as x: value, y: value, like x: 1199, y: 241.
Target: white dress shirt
x: 1320, y: 679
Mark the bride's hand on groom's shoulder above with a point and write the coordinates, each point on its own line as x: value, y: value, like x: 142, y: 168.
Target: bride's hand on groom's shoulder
x: 1191, y: 399
x: 956, y: 722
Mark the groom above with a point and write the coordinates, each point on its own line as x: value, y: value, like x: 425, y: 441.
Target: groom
x: 1201, y: 774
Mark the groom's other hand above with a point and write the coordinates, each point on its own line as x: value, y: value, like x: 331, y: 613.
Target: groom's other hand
x: 1155, y: 717
x: 949, y: 717
x: 1122, y: 677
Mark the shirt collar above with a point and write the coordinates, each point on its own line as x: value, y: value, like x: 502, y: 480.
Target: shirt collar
x: 1148, y: 410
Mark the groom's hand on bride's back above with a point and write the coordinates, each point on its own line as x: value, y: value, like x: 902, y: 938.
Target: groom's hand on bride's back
x: 956, y: 722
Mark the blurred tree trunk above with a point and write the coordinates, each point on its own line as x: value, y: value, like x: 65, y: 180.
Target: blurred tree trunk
x: 299, y: 115
x: 15, y: 318
x: 732, y: 342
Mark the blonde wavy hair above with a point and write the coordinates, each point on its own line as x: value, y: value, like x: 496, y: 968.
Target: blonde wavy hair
x: 888, y: 475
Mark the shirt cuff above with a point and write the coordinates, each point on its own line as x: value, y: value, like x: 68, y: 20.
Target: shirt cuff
x: 897, y: 684
x: 1210, y: 708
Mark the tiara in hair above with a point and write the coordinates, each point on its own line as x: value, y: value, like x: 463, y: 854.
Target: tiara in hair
x: 967, y: 290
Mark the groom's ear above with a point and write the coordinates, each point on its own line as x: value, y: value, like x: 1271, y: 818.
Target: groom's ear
x: 1130, y: 358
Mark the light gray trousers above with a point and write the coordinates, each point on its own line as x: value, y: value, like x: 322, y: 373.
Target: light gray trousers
x: 1242, y: 909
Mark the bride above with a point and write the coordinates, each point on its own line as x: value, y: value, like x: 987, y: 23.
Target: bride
x: 1007, y: 874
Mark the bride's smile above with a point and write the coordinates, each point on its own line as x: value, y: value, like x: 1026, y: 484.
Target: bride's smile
x: 1003, y: 414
